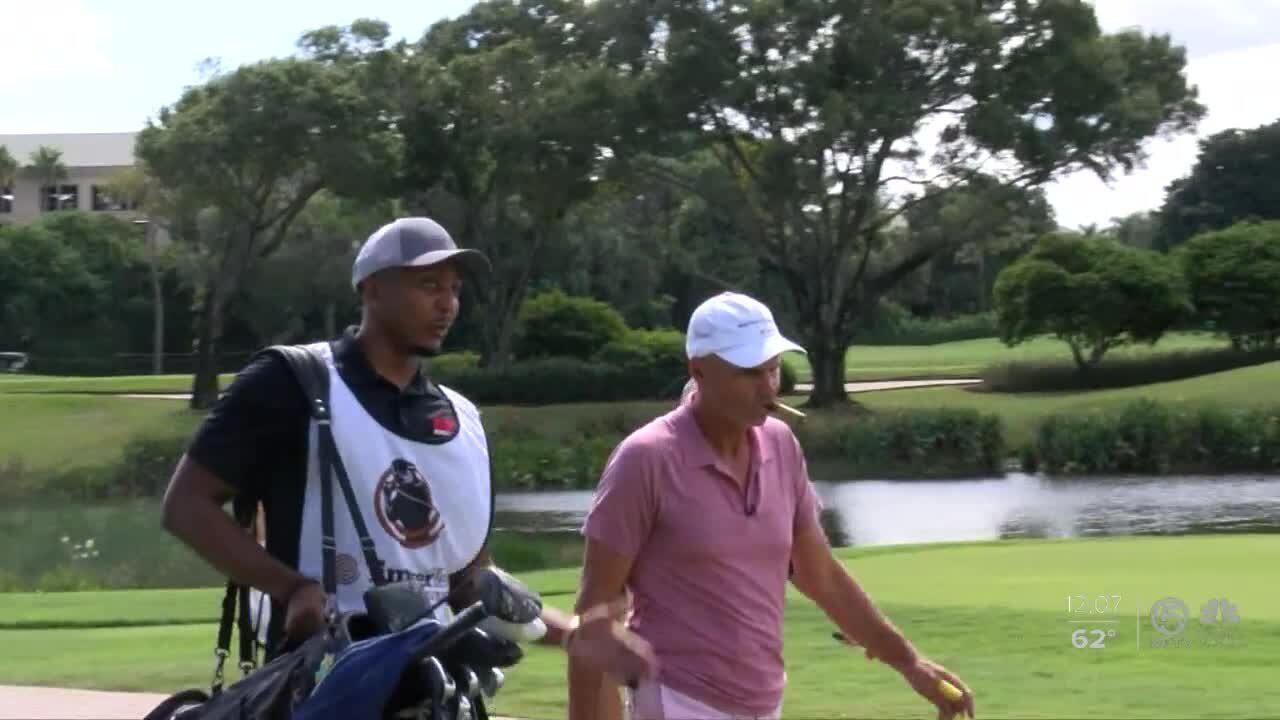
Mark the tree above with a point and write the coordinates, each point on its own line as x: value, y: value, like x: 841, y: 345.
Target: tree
x: 1092, y: 293
x: 242, y: 155
x: 1139, y: 229
x: 46, y: 167
x: 305, y: 286
x: 133, y: 187
x: 506, y: 130
x: 74, y: 287
x: 1234, y: 179
x: 1234, y: 278
x: 824, y: 109
x: 8, y: 168
x: 989, y: 224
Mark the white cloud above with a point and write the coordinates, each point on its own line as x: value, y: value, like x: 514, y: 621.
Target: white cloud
x: 1227, y: 82
x: 60, y: 46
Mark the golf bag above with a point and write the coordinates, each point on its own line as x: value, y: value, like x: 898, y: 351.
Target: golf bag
x: 397, y: 614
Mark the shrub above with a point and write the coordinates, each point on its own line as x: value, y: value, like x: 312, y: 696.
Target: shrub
x: 1234, y: 276
x: 556, y: 324
x: 1092, y: 293
x: 1147, y: 437
x: 907, y: 443
x: 893, y: 324
x: 453, y: 362
x: 1116, y: 372
x: 553, y: 380
x: 646, y: 348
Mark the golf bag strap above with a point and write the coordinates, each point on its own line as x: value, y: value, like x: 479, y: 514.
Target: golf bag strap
x: 313, y: 375
x: 234, y: 592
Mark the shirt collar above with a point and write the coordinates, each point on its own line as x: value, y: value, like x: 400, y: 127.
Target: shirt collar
x: 695, y: 451
x: 354, y: 365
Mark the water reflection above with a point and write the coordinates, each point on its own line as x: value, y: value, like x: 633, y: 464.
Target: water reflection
x: 1017, y: 505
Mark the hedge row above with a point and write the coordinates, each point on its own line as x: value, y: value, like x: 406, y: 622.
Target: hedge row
x: 1142, y: 437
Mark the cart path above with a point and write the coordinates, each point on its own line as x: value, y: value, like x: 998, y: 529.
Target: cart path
x: 29, y: 702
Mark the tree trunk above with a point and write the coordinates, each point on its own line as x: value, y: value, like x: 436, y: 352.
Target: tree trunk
x: 331, y: 319
x: 204, y: 386
x: 499, y: 329
x: 157, y: 308
x: 826, y: 355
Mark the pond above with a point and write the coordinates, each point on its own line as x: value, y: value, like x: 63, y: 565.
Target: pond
x: 868, y: 512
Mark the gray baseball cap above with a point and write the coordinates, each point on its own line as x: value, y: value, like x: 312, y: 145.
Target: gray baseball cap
x: 414, y: 242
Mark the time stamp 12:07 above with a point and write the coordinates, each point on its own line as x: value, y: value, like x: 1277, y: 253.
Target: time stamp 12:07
x: 1095, y: 620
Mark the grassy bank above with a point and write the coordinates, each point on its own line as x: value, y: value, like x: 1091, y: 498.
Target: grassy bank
x: 968, y: 358
x: 1008, y: 636
x: 78, y: 445
x: 58, y: 547
x: 1022, y: 412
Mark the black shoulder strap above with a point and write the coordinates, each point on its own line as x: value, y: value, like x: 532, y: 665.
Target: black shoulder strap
x: 313, y: 374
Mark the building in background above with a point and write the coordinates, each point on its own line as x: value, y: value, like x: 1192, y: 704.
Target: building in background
x: 89, y: 159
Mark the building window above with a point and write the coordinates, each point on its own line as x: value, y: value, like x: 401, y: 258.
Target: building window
x: 102, y: 200
x: 59, y: 197
x: 6, y: 199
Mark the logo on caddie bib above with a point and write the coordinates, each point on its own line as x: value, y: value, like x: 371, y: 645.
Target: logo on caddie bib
x: 402, y: 502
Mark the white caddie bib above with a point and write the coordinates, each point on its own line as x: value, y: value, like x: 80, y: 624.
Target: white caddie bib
x: 426, y: 507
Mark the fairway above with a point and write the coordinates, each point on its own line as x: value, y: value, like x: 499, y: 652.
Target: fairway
x: 967, y: 358
x: 995, y: 613
x: 1022, y: 411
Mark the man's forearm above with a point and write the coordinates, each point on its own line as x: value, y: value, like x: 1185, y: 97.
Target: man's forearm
x: 213, y: 535
x: 849, y: 606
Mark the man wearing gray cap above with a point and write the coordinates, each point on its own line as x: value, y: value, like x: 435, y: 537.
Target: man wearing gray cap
x: 415, y: 455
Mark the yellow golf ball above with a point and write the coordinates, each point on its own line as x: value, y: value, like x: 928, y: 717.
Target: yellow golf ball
x: 951, y: 692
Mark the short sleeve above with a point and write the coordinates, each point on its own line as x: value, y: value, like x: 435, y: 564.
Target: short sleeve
x: 625, y: 504
x: 262, y: 412
x: 808, y: 505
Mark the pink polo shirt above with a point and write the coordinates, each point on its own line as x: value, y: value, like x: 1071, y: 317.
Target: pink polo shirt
x: 711, y: 561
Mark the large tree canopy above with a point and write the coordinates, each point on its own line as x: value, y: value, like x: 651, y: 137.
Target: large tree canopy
x: 1236, y: 178
x: 243, y: 154
x: 825, y: 109
x: 507, y: 123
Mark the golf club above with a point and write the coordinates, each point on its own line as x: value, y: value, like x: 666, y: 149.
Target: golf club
x: 441, y: 684
x: 491, y: 680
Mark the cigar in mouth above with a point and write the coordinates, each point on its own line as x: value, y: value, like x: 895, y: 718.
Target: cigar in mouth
x: 779, y: 405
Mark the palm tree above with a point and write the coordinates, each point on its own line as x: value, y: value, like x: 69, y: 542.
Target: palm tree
x: 46, y: 166
x: 133, y: 187
x: 8, y: 173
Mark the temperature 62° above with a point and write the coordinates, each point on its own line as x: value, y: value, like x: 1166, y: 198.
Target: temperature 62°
x: 1091, y: 638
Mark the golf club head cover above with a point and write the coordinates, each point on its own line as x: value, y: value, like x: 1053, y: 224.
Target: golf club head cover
x: 395, y: 606
x: 479, y: 649
x: 515, y: 611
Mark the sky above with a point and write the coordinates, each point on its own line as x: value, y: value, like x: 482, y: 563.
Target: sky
x: 109, y: 65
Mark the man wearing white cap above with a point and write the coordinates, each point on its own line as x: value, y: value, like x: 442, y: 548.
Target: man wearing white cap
x: 703, y: 515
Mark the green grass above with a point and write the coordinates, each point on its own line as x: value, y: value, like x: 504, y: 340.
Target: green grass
x: 48, y: 431
x: 967, y: 358
x: 1001, y: 624
x: 15, y: 383
x: 99, y: 425
x: 1021, y: 411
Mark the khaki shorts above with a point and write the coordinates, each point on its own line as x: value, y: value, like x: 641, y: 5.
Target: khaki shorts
x: 651, y: 701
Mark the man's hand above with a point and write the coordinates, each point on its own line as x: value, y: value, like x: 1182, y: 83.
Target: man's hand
x: 305, y: 612
x: 604, y: 642
x: 925, y: 678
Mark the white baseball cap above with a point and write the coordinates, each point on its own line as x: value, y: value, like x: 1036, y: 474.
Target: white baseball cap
x: 737, y: 328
